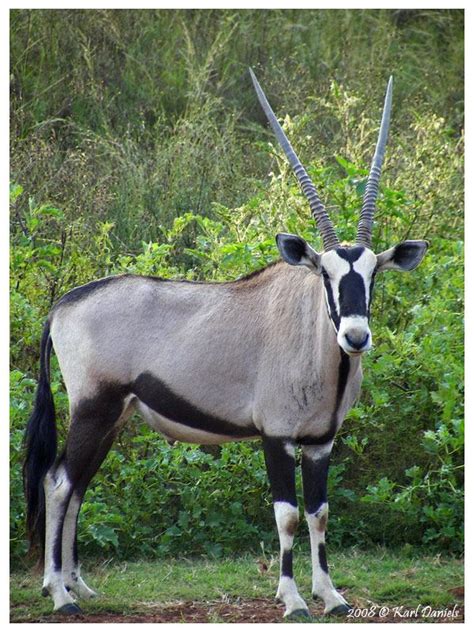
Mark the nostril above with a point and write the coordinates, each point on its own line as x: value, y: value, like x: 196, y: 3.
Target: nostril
x: 357, y: 342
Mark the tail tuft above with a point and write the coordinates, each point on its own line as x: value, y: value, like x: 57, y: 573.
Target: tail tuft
x: 40, y: 442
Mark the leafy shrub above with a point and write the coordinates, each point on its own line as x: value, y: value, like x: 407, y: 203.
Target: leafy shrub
x: 401, y: 447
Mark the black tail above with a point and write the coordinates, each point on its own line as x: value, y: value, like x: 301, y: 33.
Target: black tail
x: 41, y: 445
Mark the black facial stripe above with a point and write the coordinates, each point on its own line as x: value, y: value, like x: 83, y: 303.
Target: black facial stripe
x: 332, y: 304
x: 157, y: 395
x: 352, y: 299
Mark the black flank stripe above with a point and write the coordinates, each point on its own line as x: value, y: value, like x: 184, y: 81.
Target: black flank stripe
x: 162, y: 399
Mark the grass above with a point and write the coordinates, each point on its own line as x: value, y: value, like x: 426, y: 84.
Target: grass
x: 380, y: 577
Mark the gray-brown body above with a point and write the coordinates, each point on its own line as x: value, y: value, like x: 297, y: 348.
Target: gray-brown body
x: 260, y: 353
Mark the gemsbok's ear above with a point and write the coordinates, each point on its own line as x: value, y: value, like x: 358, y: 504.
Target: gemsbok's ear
x: 404, y: 256
x: 297, y: 252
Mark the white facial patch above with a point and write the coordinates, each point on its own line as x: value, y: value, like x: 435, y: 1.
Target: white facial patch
x: 365, y: 266
x: 336, y: 267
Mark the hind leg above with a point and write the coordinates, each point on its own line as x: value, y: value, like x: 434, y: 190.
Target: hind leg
x: 57, y: 489
x: 70, y: 559
x: 95, y: 423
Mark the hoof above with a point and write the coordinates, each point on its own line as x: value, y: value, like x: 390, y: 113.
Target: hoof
x: 69, y: 609
x: 339, y: 611
x: 298, y: 615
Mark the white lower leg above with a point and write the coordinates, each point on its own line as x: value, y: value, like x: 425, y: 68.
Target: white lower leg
x: 57, y: 489
x: 287, y: 520
x: 70, y: 565
x: 322, y: 584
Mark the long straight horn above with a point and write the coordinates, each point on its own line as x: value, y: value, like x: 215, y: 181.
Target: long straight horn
x: 318, y: 211
x: 364, y: 230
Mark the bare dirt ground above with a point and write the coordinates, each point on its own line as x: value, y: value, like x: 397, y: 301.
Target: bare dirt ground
x: 237, y: 611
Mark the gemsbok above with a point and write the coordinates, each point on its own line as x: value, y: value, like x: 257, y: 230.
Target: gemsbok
x: 274, y: 355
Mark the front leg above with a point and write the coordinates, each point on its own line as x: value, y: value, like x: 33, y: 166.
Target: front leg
x: 314, y: 467
x: 280, y: 462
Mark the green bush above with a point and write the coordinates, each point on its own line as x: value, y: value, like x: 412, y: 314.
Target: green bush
x: 401, y: 447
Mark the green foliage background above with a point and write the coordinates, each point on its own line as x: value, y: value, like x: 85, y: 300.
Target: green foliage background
x: 138, y: 145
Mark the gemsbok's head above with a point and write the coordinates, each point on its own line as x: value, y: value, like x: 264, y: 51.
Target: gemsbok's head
x: 348, y: 272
